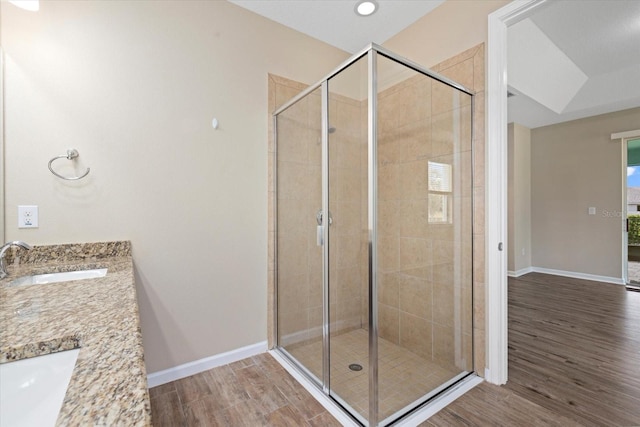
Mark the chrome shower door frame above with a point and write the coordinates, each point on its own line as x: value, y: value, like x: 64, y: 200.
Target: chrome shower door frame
x: 371, y: 52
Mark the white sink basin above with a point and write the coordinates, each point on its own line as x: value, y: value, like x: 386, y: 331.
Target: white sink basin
x: 66, y: 276
x: 32, y: 390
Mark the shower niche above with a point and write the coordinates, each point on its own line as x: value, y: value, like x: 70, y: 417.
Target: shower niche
x: 373, y: 235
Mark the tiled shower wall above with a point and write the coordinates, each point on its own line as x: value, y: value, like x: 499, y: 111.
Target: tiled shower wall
x: 299, y: 200
x: 406, y: 317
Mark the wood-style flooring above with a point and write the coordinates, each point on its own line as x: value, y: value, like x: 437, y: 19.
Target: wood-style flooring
x: 574, y: 360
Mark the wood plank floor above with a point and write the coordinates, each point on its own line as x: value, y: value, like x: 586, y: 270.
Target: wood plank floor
x: 574, y: 348
x: 574, y: 360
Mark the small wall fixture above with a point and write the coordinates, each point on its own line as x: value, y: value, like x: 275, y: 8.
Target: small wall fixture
x: 366, y: 7
x: 72, y: 154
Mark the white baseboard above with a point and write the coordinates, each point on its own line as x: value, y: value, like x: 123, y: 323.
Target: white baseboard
x: 576, y: 275
x: 197, y: 366
x: 520, y: 272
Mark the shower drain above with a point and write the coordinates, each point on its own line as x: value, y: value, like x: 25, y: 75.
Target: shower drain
x: 355, y: 367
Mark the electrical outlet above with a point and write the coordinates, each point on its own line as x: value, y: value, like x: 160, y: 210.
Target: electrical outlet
x: 27, y: 216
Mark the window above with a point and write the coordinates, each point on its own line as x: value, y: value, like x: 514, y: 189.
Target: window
x: 440, y: 189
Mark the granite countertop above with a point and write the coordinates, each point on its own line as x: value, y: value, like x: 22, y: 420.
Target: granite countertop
x: 100, y: 316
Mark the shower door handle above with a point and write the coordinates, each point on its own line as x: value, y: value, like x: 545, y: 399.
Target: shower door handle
x: 320, y: 227
x: 319, y: 215
x: 320, y: 235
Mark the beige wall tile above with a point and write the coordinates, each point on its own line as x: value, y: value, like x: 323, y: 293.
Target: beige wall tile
x: 478, y: 212
x: 388, y: 253
x: 442, y: 134
x: 414, y: 216
x: 413, y: 180
x: 415, y: 253
x: 443, y: 273
x: 388, y: 323
x: 348, y: 283
x: 389, y: 216
x: 293, y: 326
x: 443, y: 251
x: 444, y: 300
x: 271, y: 250
x: 478, y: 259
x: 388, y: 285
x: 479, y: 351
x: 415, y: 334
x: 478, y: 69
x: 415, y: 296
x: 461, y: 72
x: 292, y: 137
x: 293, y: 180
x: 294, y: 216
x: 346, y: 217
x: 478, y: 116
x: 479, y: 306
x: 461, y: 57
x: 292, y: 255
x: 418, y: 140
x: 444, y: 337
x: 348, y: 250
x: 345, y: 183
x: 293, y: 292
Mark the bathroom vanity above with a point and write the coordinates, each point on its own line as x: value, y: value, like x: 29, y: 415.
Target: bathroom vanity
x: 98, y: 315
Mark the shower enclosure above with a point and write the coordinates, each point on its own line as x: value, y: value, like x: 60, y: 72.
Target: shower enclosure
x: 374, y: 235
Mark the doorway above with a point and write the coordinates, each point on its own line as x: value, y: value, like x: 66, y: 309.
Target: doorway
x: 631, y: 209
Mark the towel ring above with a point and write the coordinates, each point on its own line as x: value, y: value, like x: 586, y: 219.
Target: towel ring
x: 72, y: 153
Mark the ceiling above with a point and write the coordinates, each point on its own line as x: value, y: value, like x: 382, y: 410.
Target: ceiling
x: 335, y: 21
x: 569, y: 60
x: 572, y: 59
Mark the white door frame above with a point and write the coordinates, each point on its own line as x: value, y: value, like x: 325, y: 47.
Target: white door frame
x: 496, y: 303
x: 623, y: 137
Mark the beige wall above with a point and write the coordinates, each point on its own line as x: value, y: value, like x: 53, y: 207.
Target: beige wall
x: 451, y: 28
x: 133, y: 86
x: 574, y: 166
x: 86, y: 74
x: 519, y: 197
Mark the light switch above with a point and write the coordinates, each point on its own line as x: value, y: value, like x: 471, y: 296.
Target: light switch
x: 592, y: 211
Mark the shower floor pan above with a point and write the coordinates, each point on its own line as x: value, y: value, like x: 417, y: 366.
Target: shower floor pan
x: 403, y: 376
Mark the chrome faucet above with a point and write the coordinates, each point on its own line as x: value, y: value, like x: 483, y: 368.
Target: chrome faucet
x: 3, y: 249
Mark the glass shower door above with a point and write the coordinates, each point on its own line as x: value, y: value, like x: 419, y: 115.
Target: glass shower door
x: 374, y: 236
x: 348, y: 240
x: 299, y: 258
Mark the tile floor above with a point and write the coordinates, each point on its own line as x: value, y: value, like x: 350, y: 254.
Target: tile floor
x: 403, y: 376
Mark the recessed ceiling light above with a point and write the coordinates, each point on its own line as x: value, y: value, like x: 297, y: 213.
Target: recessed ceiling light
x: 366, y: 7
